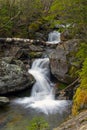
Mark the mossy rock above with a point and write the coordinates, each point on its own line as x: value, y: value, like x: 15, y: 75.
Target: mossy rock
x: 35, y: 54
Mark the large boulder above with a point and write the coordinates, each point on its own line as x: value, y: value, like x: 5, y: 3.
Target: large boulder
x: 63, y: 62
x: 13, y: 77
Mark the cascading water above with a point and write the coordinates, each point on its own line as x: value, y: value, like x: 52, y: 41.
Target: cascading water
x: 54, y: 37
x: 42, y: 96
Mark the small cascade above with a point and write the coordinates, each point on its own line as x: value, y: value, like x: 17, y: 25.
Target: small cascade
x: 40, y: 70
x: 54, y: 37
x: 42, y: 97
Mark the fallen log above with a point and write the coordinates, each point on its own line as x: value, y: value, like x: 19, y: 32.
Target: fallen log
x: 29, y: 41
x: 71, y: 86
x: 67, y: 93
x: 73, y: 83
x: 8, y: 40
x: 23, y: 40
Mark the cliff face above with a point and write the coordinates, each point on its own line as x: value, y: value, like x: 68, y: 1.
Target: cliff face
x: 75, y: 123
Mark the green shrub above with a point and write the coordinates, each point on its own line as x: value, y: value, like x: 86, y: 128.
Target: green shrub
x: 38, y: 123
x: 80, y: 98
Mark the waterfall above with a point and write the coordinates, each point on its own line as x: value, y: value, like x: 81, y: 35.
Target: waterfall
x: 42, y: 96
x: 54, y: 37
x: 40, y: 70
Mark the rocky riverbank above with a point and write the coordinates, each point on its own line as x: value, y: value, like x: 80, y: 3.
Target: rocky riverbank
x: 17, y: 55
x: 13, y: 77
x: 78, y: 122
x: 16, y: 58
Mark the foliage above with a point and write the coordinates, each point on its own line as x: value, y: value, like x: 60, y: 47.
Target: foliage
x: 73, y: 71
x: 54, y: 12
x: 72, y: 12
x: 61, y: 86
x: 38, y: 123
x: 34, y: 26
x: 80, y: 98
x: 82, y: 53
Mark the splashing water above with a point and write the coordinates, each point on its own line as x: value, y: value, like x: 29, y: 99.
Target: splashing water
x: 42, y: 96
x: 54, y: 37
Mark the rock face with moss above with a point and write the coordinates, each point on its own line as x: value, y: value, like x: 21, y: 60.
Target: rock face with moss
x: 75, y: 123
x: 13, y: 77
x: 63, y: 62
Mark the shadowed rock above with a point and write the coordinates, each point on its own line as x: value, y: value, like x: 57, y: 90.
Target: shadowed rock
x: 62, y: 59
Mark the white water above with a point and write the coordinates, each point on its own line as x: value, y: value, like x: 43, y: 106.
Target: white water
x: 42, y: 97
x: 54, y: 37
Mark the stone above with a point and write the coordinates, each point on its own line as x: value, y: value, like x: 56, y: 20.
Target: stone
x: 35, y: 54
x: 61, y: 60
x: 65, y: 35
x: 78, y: 122
x: 35, y: 48
x: 4, y: 101
x: 13, y: 78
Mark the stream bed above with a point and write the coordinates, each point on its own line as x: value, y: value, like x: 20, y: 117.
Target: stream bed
x: 40, y: 102
x: 17, y: 117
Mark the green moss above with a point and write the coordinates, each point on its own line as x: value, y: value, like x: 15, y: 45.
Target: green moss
x: 35, y: 54
x: 61, y: 86
x: 38, y: 123
x: 73, y: 72
x: 35, y: 26
x: 80, y: 100
x: 80, y: 97
x: 82, y: 53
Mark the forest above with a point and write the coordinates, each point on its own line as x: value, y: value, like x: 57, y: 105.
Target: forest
x: 25, y: 16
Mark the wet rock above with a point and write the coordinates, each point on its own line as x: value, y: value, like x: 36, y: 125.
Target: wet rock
x: 62, y: 60
x: 4, y: 101
x: 13, y: 78
x: 61, y: 96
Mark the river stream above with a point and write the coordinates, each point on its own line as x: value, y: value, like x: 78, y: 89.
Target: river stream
x: 40, y: 102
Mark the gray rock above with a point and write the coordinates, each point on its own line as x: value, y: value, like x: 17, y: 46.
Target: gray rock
x: 61, y: 60
x: 65, y: 35
x: 4, y: 101
x: 35, y: 48
x: 13, y: 78
x: 78, y: 122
